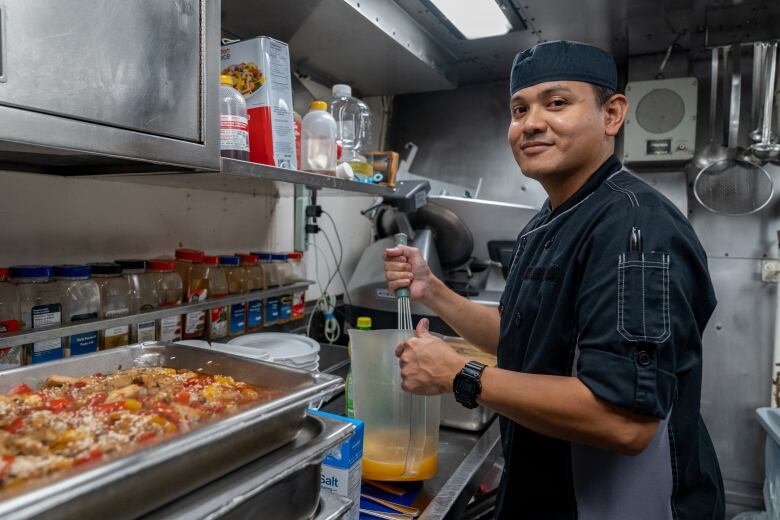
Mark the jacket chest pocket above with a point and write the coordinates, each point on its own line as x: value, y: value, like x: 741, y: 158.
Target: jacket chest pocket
x: 643, y: 296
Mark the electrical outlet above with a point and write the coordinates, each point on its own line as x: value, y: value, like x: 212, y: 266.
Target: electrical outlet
x: 770, y: 271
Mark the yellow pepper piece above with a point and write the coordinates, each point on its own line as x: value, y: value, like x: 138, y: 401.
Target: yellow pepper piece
x: 169, y: 371
x: 212, y: 393
x: 224, y: 380
x: 133, y: 405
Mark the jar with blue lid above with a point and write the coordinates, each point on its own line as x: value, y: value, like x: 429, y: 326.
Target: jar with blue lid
x: 237, y: 284
x: 39, y: 306
x: 80, y: 298
x: 284, y: 277
x: 271, y: 304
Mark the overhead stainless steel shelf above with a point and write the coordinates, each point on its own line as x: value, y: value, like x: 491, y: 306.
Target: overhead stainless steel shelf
x: 246, y: 177
x: 30, y: 336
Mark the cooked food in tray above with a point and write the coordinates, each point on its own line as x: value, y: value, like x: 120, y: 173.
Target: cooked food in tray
x: 72, y: 421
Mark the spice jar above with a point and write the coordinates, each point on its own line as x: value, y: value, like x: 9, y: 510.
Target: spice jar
x: 170, y: 291
x: 39, y: 306
x: 80, y: 297
x: 217, y: 317
x: 270, y: 304
x: 298, y: 274
x: 114, y: 302
x: 237, y: 284
x: 194, y: 274
x: 284, y: 277
x: 143, y: 298
x: 255, y: 281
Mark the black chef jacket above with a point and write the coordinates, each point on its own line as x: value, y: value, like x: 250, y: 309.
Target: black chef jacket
x: 627, y: 321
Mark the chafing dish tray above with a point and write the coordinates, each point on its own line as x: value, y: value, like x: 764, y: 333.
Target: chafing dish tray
x: 283, y: 485
x: 454, y: 414
x: 131, y: 485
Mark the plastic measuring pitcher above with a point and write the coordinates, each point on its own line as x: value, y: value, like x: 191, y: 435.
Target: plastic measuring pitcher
x: 401, y: 429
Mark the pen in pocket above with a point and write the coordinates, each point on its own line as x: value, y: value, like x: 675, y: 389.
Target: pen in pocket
x: 635, y: 240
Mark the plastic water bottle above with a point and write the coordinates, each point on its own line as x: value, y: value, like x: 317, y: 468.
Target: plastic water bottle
x: 353, y: 131
x: 318, y: 139
x: 233, y: 130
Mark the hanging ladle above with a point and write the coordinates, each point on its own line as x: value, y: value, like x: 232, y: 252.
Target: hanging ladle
x: 714, y: 151
x: 766, y: 150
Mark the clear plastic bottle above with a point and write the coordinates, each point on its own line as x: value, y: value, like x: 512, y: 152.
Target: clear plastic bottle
x: 114, y: 302
x: 170, y: 291
x: 233, y: 121
x: 10, y: 357
x: 237, y: 284
x: 39, y: 306
x: 270, y: 304
x: 217, y: 317
x: 297, y: 124
x: 143, y: 297
x: 363, y: 323
x: 353, y: 131
x: 194, y: 275
x: 318, y: 139
x: 295, y: 258
x: 255, y: 281
x: 80, y: 297
x: 284, y: 274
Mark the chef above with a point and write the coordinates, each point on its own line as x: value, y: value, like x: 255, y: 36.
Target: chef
x: 598, y: 333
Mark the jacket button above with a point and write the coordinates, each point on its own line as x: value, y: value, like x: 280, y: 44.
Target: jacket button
x: 518, y: 319
x: 523, y: 241
x: 500, y: 309
x: 548, y: 244
x: 643, y: 358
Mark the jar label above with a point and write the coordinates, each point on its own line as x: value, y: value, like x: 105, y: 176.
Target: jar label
x: 299, y: 305
x: 146, y: 331
x: 233, y: 134
x: 170, y: 329
x: 218, y: 322
x: 194, y: 323
x: 271, y: 310
x: 10, y: 357
x: 285, y: 306
x: 237, y: 319
x: 254, y: 314
x: 46, y: 316
x: 116, y: 337
x: 85, y: 342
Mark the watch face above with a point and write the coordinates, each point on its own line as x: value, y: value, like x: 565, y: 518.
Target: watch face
x: 467, y: 386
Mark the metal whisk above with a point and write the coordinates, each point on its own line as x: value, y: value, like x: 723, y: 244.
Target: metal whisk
x: 402, y: 295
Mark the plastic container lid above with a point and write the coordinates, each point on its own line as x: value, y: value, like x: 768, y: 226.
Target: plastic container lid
x: 130, y: 265
x: 318, y: 105
x: 342, y: 90
x: 364, y: 322
x: 292, y: 349
x: 4, y: 273
x: 229, y: 260
x: 161, y: 264
x: 224, y: 79
x: 279, y: 256
x: 109, y: 268
x: 72, y: 271
x: 247, y: 259
x: 263, y: 256
x: 211, y: 259
x: 30, y: 271
x: 193, y: 255
x: 295, y: 255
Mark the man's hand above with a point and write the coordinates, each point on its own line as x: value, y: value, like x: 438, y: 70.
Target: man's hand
x: 405, y: 267
x: 428, y: 364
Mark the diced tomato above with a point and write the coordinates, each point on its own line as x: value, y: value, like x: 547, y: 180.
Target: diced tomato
x: 194, y: 381
x: 79, y: 384
x: 16, y: 425
x: 166, y: 411
x: 93, y: 454
x: 5, y: 464
x: 145, y: 437
x: 218, y: 407
x: 20, y: 389
x: 59, y: 405
x: 182, y: 397
x: 96, y: 399
x: 111, y: 407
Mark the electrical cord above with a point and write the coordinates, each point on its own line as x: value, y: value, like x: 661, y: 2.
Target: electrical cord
x: 341, y: 254
x: 326, y: 303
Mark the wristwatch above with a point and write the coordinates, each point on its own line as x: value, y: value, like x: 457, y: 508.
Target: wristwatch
x: 467, y: 384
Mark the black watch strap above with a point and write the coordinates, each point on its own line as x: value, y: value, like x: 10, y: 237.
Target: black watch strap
x: 467, y: 384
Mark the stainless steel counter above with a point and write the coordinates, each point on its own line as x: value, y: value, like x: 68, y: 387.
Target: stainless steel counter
x: 464, y: 457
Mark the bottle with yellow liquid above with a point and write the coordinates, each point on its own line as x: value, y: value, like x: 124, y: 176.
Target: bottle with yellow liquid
x: 401, y: 441
x: 363, y: 323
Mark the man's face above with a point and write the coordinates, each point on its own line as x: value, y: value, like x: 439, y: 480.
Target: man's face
x: 557, y: 128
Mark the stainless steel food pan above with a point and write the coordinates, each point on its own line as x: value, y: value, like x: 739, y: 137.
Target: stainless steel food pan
x: 129, y: 486
x: 283, y: 485
x: 455, y: 415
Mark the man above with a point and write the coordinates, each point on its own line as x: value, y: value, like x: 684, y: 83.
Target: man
x: 598, y: 333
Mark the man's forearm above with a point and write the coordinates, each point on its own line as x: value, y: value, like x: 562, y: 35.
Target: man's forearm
x: 477, y: 324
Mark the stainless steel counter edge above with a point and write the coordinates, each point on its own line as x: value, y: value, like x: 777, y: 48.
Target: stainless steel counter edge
x: 29, y: 336
x: 332, y: 506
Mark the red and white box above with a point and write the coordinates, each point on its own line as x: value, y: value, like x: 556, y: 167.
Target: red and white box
x: 260, y: 69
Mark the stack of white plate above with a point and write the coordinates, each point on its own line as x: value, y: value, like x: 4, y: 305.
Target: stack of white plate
x: 292, y: 350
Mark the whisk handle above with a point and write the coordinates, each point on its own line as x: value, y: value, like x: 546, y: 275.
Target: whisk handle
x: 401, y: 240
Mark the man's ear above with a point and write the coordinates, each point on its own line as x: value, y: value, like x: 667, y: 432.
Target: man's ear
x: 615, y: 110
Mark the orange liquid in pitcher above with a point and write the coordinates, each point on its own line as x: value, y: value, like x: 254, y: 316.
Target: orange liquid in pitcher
x: 382, y: 461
